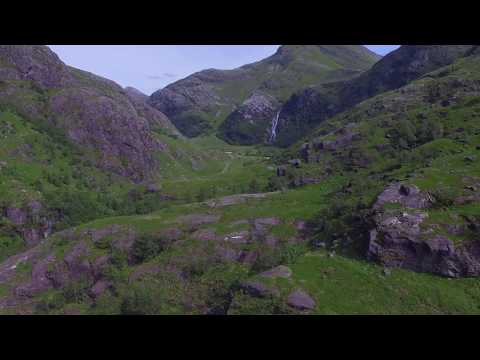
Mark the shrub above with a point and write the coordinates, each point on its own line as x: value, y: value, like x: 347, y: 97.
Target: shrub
x: 147, y: 247
x: 443, y: 197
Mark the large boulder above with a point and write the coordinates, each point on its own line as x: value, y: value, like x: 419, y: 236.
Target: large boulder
x: 403, y: 237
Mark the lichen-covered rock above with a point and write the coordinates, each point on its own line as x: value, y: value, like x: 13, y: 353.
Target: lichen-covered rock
x: 402, y: 238
x: 281, y: 271
x: 408, y: 196
x: 300, y: 300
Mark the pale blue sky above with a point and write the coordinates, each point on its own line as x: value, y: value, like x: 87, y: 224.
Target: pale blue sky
x: 151, y: 67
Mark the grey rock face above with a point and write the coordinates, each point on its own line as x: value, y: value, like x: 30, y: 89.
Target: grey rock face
x: 154, y: 117
x: 251, y: 122
x: 37, y: 63
x: 113, y: 127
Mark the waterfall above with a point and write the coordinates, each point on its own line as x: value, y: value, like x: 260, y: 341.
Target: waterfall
x: 273, y: 133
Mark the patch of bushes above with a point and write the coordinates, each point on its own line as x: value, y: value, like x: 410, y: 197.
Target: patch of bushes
x: 148, y: 246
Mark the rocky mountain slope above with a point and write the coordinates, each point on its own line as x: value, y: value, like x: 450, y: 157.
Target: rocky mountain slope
x: 246, y: 96
x: 93, y: 112
x: 311, y: 106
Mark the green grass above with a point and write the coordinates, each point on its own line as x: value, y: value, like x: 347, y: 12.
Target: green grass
x: 345, y: 286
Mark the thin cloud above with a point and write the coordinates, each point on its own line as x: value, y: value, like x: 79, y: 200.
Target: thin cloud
x: 162, y: 77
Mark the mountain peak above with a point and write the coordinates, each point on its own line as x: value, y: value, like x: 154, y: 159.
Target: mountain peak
x: 350, y: 56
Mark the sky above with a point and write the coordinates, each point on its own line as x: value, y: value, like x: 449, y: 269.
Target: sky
x: 152, y: 67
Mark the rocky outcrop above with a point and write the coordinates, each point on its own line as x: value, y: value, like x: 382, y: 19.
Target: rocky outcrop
x: 403, y: 238
x: 343, y: 137
x: 408, y: 196
x: 30, y: 221
x: 34, y: 63
x: 252, y: 122
x: 78, y: 264
x: 304, y: 110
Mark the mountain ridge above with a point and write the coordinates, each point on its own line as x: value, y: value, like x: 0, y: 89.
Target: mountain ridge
x: 199, y: 103
x: 311, y: 106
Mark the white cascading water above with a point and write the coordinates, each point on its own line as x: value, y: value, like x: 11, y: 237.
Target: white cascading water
x: 273, y: 133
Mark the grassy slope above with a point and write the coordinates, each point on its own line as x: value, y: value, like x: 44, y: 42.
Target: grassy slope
x: 344, y: 286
